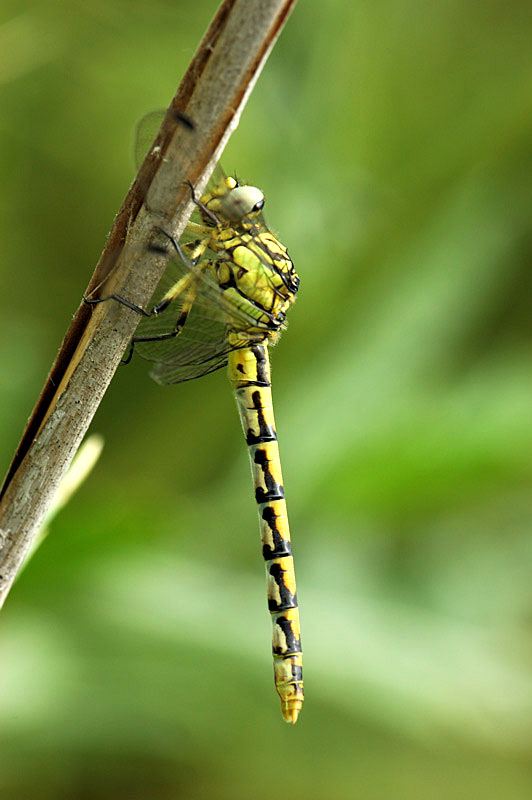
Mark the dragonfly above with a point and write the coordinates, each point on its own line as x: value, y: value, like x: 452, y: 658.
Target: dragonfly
x: 223, y: 300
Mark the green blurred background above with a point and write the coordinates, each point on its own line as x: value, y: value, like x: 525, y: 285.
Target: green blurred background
x: 393, y: 142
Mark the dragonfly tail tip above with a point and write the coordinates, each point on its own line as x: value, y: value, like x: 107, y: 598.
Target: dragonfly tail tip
x: 290, y: 715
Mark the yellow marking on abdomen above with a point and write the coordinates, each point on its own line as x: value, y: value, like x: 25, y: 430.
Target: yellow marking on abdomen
x: 249, y: 372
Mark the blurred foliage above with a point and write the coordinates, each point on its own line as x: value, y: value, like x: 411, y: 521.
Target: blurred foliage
x: 393, y: 143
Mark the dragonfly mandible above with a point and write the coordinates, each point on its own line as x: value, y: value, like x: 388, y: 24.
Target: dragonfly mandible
x: 223, y: 300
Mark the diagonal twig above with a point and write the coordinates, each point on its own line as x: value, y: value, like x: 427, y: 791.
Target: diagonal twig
x: 212, y: 93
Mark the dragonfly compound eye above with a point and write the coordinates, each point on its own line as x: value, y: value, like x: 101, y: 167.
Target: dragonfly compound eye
x: 242, y: 201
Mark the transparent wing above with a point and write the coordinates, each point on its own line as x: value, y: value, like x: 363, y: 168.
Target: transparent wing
x: 146, y: 131
x: 203, y: 344
x: 145, y: 134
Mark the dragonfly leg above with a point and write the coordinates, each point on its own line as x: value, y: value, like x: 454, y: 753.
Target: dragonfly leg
x: 188, y: 300
x: 199, y: 230
x: 175, y: 290
x: 124, y: 302
x: 196, y: 250
x: 201, y: 205
x: 161, y: 306
x: 137, y: 309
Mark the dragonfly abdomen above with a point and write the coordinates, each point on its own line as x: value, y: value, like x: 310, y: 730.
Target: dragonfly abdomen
x: 249, y: 372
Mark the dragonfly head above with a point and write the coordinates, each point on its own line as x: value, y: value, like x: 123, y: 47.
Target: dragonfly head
x: 241, y: 201
x: 232, y: 201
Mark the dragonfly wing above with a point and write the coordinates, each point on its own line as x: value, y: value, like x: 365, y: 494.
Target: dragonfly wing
x: 145, y: 133
x: 202, y: 345
x: 148, y: 128
x: 216, y: 315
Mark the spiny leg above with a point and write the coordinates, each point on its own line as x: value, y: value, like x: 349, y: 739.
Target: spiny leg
x: 188, y: 300
x: 187, y: 285
x: 124, y: 302
x: 198, y: 229
x: 197, y: 252
x: 201, y: 205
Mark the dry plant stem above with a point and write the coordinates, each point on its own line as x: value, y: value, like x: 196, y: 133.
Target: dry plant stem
x: 212, y: 94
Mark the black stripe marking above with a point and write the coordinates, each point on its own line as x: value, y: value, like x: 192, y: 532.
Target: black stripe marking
x: 274, y: 490
x: 297, y: 672
x: 266, y: 432
x: 254, y: 303
x: 245, y: 384
x: 276, y: 261
x: 231, y: 283
x: 266, y: 497
x: 261, y: 358
x: 281, y: 547
x: 288, y: 599
x: 293, y: 644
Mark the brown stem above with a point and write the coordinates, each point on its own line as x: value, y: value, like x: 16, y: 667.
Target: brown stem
x: 212, y: 94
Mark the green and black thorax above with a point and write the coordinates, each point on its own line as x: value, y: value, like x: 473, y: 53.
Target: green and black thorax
x: 250, y: 266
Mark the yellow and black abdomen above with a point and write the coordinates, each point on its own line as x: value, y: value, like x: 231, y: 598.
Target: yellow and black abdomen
x: 249, y: 372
